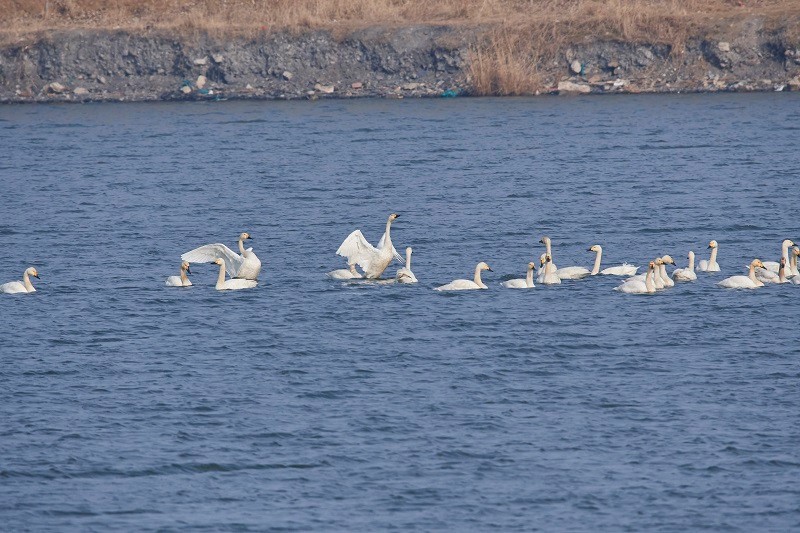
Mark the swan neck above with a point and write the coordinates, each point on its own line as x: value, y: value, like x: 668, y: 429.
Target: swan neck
x: 184, y: 278
x: 241, y: 246
x: 785, y: 253
x: 549, y: 251
x: 752, y: 274
x: 597, y: 259
x: 662, y: 271
x: 529, y: 278
x: 691, y: 263
x: 477, y: 278
x: 221, y: 277
x: 388, y: 230
x: 713, y: 258
x: 408, y: 260
x: 649, y: 283
x: 793, y: 264
x: 27, y: 282
x: 782, y: 274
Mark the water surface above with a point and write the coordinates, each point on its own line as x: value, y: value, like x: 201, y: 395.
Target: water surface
x: 308, y: 404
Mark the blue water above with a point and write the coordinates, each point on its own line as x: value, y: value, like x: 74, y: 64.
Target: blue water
x: 314, y: 405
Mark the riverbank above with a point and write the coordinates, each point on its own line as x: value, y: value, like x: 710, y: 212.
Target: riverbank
x: 744, y: 53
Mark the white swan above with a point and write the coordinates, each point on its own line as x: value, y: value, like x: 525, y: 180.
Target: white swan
x: 526, y: 283
x: 639, y: 286
x: 766, y: 276
x: 244, y: 266
x: 231, y: 284
x: 182, y: 280
x: 550, y: 277
x: 15, y: 287
x: 744, y: 282
x: 404, y: 275
x: 465, y: 284
x: 782, y: 271
x: 666, y: 260
x: 373, y: 260
x: 622, y: 270
x: 658, y: 280
x: 775, y: 265
x: 685, y: 274
x: 345, y: 273
x: 711, y: 265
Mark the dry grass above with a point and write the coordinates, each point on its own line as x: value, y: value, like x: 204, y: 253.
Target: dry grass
x: 513, y: 36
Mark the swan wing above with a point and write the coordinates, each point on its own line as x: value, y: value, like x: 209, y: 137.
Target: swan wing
x: 357, y: 250
x: 212, y: 252
x: 621, y: 270
x: 576, y: 272
x: 515, y: 284
x: 382, y: 243
x: 13, y: 287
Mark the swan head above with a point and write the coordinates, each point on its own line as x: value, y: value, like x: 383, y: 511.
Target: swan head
x: 658, y: 261
x: 244, y: 236
x: 796, y: 250
x: 713, y: 244
x: 668, y: 260
x: 185, y: 266
x: 32, y: 272
x: 757, y: 263
x: 409, y: 250
x: 219, y: 261
x: 547, y: 258
x: 531, y: 266
x: 393, y: 217
x: 545, y: 240
x: 787, y: 243
x: 484, y: 266
x: 652, y: 265
x: 596, y: 249
x: 691, y: 254
x: 542, y: 258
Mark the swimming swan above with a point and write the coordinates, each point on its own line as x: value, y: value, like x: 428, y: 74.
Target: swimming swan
x: 526, y: 283
x: 373, y: 260
x: 244, y: 266
x: 658, y: 278
x: 182, y: 280
x: 231, y: 284
x: 622, y: 270
x: 404, y: 275
x: 16, y: 287
x: 685, y: 274
x: 465, y: 284
x: 345, y: 273
x: 638, y: 286
x: 550, y: 277
x: 775, y: 265
x: 744, y: 282
x: 711, y: 265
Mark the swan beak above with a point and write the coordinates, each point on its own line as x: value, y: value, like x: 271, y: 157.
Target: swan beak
x: 709, y: 246
x: 188, y: 270
x: 36, y: 276
x: 490, y: 270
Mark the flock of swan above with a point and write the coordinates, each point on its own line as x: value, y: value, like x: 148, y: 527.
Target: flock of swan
x: 244, y: 267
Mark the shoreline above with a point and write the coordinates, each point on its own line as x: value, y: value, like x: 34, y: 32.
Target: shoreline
x: 378, y: 62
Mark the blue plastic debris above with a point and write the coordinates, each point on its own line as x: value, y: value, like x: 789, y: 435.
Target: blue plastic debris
x: 450, y: 93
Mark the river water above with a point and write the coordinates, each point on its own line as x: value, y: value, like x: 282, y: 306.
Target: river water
x: 315, y: 405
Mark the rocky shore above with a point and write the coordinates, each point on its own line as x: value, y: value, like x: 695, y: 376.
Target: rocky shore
x: 418, y: 61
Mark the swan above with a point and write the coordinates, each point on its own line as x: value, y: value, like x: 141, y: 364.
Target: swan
x: 15, y: 287
x: 782, y: 271
x: 685, y: 274
x: 182, y: 280
x: 231, y: 284
x: 658, y: 280
x: 666, y: 260
x: 550, y: 277
x: 465, y: 284
x: 622, y: 270
x: 639, y: 286
x: 404, y: 275
x: 371, y: 259
x: 345, y: 273
x: 526, y: 283
x: 711, y: 265
x: 244, y: 266
x: 774, y: 265
x: 766, y: 276
x: 744, y: 282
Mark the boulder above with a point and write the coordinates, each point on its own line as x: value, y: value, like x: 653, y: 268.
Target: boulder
x: 186, y: 89
x: 287, y: 75
x: 568, y: 87
x: 325, y: 89
x: 201, y: 81
x: 80, y: 91
x: 576, y: 67
x: 56, y: 88
x: 411, y: 86
x: 201, y: 61
x: 724, y: 47
x: 217, y: 58
x: 357, y: 85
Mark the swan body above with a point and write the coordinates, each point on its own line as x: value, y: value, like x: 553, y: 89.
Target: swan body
x: 345, y: 273
x: 404, y: 275
x: 550, y: 277
x: 373, y: 260
x: 182, y: 280
x: 638, y: 286
x: 465, y: 284
x: 574, y: 272
x: 767, y: 276
x: 685, y: 274
x: 24, y: 286
x: 711, y: 265
x: 774, y: 266
x: 231, y: 284
x: 526, y: 283
x: 622, y: 270
x: 744, y: 282
x: 245, y: 265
